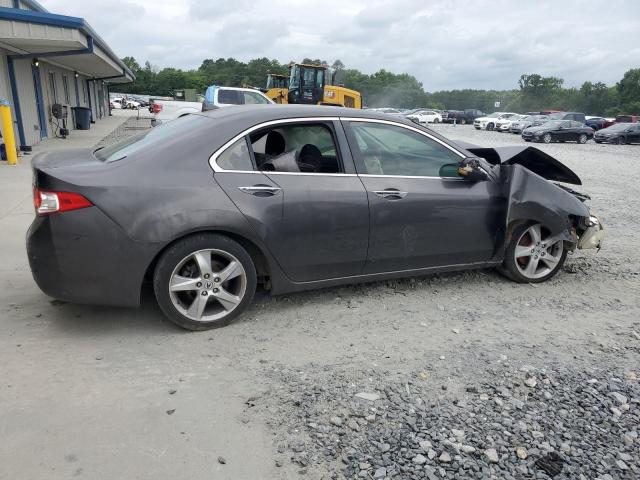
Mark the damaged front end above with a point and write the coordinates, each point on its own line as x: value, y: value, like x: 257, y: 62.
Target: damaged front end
x: 527, y: 176
x: 592, y: 235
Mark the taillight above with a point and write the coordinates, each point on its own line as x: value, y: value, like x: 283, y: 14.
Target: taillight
x: 156, y: 107
x: 53, y: 202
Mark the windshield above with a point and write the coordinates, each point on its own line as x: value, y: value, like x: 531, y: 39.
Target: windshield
x: 131, y: 145
x: 294, y: 77
x: 270, y: 82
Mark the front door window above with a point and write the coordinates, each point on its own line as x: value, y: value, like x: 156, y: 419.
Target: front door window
x: 393, y: 150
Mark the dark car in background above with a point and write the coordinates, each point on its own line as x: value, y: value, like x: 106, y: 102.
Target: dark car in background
x: 210, y: 206
x: 576, y: 116
x: 462, y: 117
x: 529, y: 121
x: 627, y: 118
x: 619, y: 133
x: 598, y: 123
x: 558, y: 131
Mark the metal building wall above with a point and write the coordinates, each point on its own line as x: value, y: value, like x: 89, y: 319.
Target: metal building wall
x: 27, y: 97
x: 59, y: 73
x: 5, y: 90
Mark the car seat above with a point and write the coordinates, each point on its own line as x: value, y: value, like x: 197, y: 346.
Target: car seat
x: 309, y: 159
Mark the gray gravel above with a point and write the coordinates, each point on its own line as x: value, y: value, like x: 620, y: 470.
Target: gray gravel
x: 569, y: 425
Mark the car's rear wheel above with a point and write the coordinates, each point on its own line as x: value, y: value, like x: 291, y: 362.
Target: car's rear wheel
x: 204, y: 281
x: 435, y: 120
x: 621, y: 140
x: 533, y: 255
x: 582, y: 138
x: 546, y: 138
x: 490, y: 126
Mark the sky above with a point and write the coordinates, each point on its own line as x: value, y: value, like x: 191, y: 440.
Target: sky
x: 445, y: 44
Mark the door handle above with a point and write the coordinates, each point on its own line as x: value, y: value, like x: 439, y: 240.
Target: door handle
x: 260, y: 190
x: 390, y: 194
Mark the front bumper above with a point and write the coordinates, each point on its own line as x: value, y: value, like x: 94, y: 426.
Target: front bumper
x: 593, y: 236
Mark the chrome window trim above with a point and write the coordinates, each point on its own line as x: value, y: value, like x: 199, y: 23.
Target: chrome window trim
x: 216, y: 168
x: 214, y: 157
x: 370, y: 175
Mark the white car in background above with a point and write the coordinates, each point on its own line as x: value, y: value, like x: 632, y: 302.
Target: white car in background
x: 425, y: 116
x: 504, y: 124
x: 164, y: 111
x: 489, y: 122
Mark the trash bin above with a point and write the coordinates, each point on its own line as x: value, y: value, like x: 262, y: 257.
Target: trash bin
x: 82, y: 116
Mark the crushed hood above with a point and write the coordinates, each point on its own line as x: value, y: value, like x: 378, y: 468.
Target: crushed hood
x: 531, y: 158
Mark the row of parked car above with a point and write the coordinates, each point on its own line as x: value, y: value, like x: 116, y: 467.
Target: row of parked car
x: 422, y: 115
x: 556, y: 126
x: 132, y: 102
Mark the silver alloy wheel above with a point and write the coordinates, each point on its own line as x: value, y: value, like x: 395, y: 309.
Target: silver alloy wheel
x: 546, y: 138
x: 537, y: 253
x: 207, y: 285
x: 582, y: 139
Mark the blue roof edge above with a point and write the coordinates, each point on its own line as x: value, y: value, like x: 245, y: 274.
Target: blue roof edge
x: 43, y: 17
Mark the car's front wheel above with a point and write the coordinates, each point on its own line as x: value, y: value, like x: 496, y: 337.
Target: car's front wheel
x: 621, y: 140
x: 546, y: 138
x: 533, y: 255
x: 582, y: 138
x: 204, y: 281
x: 490, y: 126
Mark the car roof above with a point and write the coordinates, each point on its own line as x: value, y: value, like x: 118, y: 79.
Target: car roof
x: 249, y: 115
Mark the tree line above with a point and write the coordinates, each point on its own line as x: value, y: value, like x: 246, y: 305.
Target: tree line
x: 533, y: 92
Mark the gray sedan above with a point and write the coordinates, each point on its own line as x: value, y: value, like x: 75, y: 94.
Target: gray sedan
x: 214, y: 205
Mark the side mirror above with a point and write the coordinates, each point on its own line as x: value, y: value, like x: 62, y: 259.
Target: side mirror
x: 471, y: 169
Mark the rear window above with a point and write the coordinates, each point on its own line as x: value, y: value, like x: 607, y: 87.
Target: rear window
x: 128, y: 146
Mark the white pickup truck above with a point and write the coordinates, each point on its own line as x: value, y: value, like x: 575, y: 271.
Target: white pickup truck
x: 215, y: 97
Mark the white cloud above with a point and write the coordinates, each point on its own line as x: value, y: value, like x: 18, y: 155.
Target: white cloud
x: 444, y: 44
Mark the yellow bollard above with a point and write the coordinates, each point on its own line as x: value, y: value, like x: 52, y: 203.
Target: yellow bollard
x: 7, y: 132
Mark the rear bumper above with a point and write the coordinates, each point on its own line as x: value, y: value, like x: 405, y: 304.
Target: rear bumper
x: 83, y: 257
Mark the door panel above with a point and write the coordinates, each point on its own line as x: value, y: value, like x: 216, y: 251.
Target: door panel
x: 420, y: 219
x: 263, y: 209
x: 438, y: 222
x: 325, y: 226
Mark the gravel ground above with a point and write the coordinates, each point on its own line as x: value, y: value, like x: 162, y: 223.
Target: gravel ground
x: 463, y: 375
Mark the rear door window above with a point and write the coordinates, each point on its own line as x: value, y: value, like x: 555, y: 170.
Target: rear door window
x: 303, y: 148
x: 236, y: 157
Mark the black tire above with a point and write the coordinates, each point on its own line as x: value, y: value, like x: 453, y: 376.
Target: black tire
x: 182, y: 249
x: 463, y: 121
x: 546, y: 138
x: 582, y: 139
x: 509, y: 267
x: 621, y: 140
x: 527, y: 140
x: 597, y: 141
x: 435, y: 120
x: 490, y: 126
